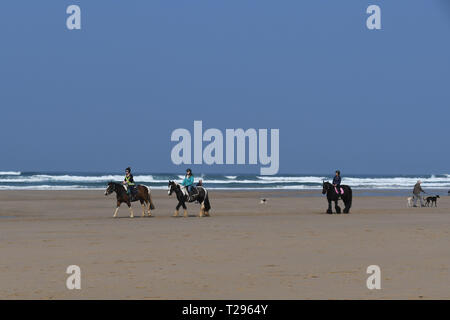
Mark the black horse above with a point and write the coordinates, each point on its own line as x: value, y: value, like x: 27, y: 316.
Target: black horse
x: 142, y: 194
x: 201, y: 197
x: 329, y: 189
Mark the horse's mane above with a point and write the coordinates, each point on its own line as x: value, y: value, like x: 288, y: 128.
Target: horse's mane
x: 175, y: 183
x: 117, y: 184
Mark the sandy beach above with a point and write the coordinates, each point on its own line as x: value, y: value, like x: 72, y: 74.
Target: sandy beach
x: 287, y: 248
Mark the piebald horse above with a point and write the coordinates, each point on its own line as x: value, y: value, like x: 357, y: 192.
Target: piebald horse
x: 202, y: 197
x: 142, y: 194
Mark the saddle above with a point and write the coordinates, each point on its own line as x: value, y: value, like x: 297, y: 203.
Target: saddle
x: 192, y: 195
x: 133, y: 193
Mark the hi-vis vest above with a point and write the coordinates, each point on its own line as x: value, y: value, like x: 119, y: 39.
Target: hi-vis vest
x: 127, y: 180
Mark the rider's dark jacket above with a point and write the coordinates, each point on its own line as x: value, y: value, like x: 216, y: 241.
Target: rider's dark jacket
x: 337, y: 180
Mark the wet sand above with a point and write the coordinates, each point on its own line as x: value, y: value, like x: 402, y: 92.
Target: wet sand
x: 287, y: 248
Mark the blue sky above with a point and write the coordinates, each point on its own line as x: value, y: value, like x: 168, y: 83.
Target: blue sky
x: 109, y: 95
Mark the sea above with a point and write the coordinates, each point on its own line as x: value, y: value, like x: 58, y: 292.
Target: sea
x: 17, y: 180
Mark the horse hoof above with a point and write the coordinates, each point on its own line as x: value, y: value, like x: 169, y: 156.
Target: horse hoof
x: 329, y: 212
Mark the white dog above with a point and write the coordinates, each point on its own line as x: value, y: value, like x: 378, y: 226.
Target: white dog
x: 410, y: 202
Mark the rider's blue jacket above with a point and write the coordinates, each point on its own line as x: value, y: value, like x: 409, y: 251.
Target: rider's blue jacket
x: 337, y: 180
x: 188, y: 181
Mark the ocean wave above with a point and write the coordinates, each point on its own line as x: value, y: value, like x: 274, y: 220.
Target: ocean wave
x: 73, y: 178
x: 10, y: 173
x: 48, y: 187
x: 70, y: 181
x: 278, y: 179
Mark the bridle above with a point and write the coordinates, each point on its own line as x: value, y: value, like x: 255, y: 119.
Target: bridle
x: 172, y: 188
x: 111, y: 188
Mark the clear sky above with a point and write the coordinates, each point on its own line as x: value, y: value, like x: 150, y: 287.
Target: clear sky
x: 109, y: 95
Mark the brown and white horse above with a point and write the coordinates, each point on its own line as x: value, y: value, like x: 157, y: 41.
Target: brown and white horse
x: 143, y: 195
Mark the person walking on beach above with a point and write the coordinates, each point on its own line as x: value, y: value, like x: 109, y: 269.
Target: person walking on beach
x: 416, y: 193
x: 337, y: 181
x: 128, y: 181
x: 188, y: 182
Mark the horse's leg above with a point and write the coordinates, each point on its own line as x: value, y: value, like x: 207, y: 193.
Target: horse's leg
x: 115, y: 212
x: 117, y: 209
x: 177, y: 209
x: 146, y: 200
x: 329, y: 211
x: 206, y: 213
x: 149, y: 202
x: 202, y: 211
x: 149, y: 210
x: 143, y: 207
x: 131, y: 210
x: 338, y: 209
x: 185, y: 213
x: 346, y: 209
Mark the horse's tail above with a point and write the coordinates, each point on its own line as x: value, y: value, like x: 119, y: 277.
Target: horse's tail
x: 152, y: 206
x: 350, y: 197
x: 206, y: 202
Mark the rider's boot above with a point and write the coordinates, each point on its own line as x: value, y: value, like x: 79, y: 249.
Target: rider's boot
x: 191, y: 196
x: 338, y: 189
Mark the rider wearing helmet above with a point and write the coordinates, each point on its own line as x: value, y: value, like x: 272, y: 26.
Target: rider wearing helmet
x: 337, y: 181
x: 129, y: 181
x: 188, y: 182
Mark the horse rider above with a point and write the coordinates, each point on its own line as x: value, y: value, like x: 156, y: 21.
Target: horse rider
x: 337, y: 182
x: 129, y: 181
x: 188, y: 183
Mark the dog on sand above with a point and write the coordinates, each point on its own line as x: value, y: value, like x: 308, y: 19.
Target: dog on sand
x: 431, y: 200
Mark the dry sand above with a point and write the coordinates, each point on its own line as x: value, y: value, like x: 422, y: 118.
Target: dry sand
x: 285, y: 249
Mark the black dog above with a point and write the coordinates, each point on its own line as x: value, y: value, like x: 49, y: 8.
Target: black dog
x: 431, y: 200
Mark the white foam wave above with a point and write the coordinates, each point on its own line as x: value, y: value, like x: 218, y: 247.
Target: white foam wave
x: 10, y: 173
x: 73, y: 182
x: 72, y: 178
x: 276, y: 179
x: 48, y: 187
